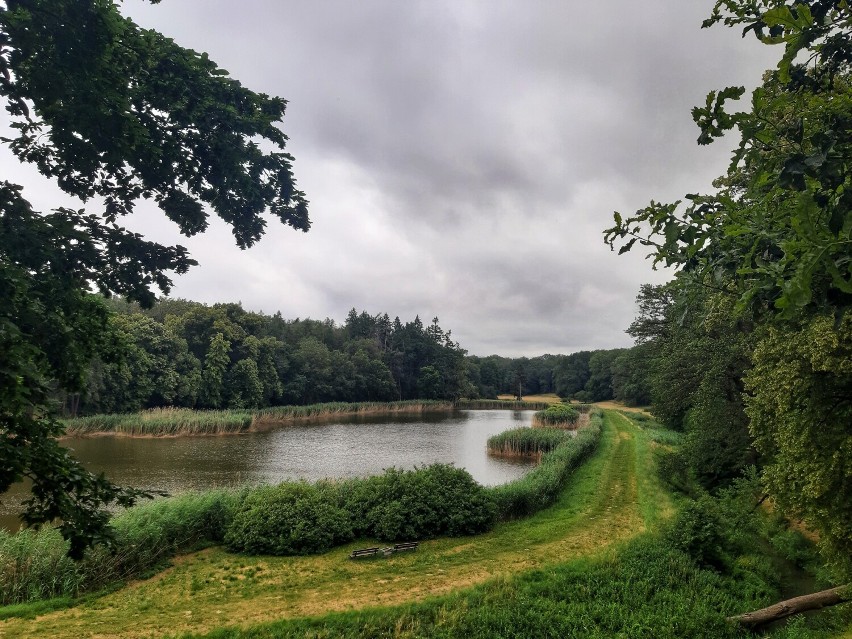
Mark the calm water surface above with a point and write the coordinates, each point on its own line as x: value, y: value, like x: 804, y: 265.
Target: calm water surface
x: 344, y: 448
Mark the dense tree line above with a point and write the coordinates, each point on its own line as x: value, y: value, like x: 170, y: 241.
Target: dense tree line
x: 187, y: 354
x: 589, y: 376
x: 181, y: 353
x: 751, y: 346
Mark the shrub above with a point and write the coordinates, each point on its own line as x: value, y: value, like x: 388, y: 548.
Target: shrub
x: 292, y: 518
x: 418, y: 504
x: 699, y: 531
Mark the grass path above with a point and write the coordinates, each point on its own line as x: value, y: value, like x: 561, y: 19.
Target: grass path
x: 613, y: 497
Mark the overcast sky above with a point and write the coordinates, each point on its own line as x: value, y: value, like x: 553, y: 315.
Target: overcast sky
x: 461, y: 158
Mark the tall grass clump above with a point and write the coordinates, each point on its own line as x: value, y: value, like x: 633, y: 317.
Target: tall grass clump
x: 34, y: 565
x: 556, y: 416
x: 526, y: 442
x: 541, y: 486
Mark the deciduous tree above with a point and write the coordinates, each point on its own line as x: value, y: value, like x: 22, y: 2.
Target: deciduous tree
x: 110, y: 110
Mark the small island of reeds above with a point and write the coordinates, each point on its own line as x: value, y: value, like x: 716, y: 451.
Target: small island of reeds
x: 556, y: 416
x: 527, y: 442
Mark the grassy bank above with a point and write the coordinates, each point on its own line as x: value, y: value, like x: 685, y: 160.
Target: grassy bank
x: 185, y: 421
x: 213, y: 588
x: 290, y: 518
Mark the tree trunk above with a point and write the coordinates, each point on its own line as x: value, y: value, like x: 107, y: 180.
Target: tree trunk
x: 794, y: 606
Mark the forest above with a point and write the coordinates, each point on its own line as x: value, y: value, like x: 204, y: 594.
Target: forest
x: 186, y: 354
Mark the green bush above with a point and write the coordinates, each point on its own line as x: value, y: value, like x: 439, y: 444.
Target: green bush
x: 418, y: 504
x: 292, y: 518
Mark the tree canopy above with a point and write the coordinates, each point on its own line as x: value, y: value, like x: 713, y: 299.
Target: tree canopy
x: 776, y: 238
x: 119, y: 113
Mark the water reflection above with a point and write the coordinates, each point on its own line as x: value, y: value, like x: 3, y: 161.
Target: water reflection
x: 345, y: 448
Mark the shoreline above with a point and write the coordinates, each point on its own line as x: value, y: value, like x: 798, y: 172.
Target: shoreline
x: 186, y: 422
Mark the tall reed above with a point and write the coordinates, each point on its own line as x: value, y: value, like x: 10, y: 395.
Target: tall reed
x: 163, y: 422
x: 34, y: 563
x: 186, y: 421
x: 526, y: 442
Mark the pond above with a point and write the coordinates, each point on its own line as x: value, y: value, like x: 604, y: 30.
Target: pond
x: 347, y: 447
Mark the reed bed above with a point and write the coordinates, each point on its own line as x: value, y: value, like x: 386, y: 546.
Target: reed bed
x: 499, y: 404
x: 526, y: 442
x: 556, y: 416
x: 164, y: 422
x: 277, y: 414
x: 186, y: 421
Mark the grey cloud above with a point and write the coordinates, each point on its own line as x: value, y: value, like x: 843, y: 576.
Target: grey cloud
x: 463, y: 157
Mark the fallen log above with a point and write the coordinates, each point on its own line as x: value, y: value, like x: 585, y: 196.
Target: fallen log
x: 794, y: 606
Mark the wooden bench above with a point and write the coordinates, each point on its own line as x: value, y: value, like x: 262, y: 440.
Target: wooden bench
x: 373, y: 552
x: 364, y: 552
x: 410, y: 545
